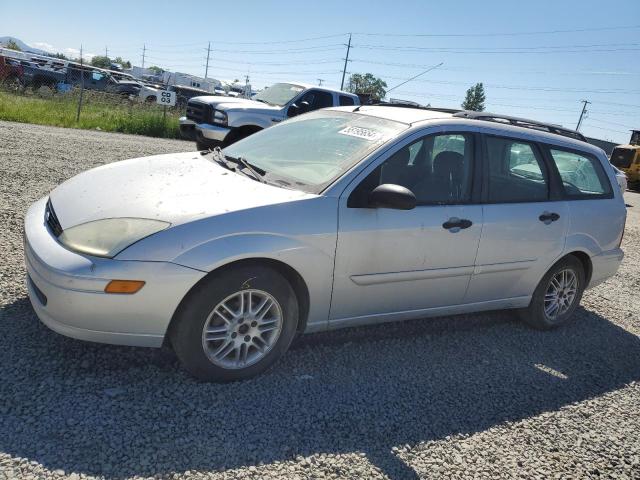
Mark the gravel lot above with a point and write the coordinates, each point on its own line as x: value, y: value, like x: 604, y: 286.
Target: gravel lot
x: 474, y: 396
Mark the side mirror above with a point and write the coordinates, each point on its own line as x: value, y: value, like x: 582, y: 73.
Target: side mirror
x: 293, y: 110
x: 392, y: 196
x: 305, y: 106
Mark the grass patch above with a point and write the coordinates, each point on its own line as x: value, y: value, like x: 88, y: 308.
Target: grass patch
x: 101, y: 111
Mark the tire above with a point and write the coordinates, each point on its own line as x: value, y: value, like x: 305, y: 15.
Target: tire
x: 218, y: 356
x: 540, y: 314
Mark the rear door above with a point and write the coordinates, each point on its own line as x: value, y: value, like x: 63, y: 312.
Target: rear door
x: 525, y: 221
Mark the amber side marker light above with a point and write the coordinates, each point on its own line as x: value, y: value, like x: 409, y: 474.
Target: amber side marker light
x: 124, y: 286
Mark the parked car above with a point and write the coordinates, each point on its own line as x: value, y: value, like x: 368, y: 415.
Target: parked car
x: 219, y: 121
x: 626, y: 158
x: 10, y: 73
x: 340, y: 217
x: 621, y: 177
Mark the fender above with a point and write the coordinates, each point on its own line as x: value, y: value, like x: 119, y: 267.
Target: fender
x: 313, y: 264
x: 239, y: 118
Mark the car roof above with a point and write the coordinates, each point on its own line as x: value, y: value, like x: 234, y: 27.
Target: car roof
x: 418, y: 116
x: 316, y: 87
x: 397, y: 114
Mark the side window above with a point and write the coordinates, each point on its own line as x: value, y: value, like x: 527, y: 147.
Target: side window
x: 516, y: 172
x: 582, y: 176
x: 345, y: 101
x: 436, y: 168
x: 317, y: 99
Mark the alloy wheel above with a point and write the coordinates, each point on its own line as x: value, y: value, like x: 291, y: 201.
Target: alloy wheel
x: 560, y: 293
x: 242, y: 329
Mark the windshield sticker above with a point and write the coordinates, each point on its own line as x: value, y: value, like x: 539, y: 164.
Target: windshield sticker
x: 361, y: 132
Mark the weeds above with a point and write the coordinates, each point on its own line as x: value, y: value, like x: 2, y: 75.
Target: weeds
x: 101, y: 111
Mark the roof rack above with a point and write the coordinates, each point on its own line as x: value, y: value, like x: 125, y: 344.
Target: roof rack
x: 493, y: 117
x: 521, y: 122
x: 408, y: 105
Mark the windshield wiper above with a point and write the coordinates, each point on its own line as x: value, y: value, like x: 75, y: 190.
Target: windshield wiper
x: 219, y: 157
x: 256, y: 172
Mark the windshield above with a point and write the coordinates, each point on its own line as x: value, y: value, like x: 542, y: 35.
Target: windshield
x: 279, y: 94
x: 311, y: 151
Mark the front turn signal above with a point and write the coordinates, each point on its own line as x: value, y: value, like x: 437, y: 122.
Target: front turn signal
x: 124, y: 286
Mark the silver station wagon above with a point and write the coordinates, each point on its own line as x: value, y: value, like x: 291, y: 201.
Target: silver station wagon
x: 341, y: 217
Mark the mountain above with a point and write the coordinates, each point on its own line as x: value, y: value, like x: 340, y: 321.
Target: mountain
x: 23, y: 46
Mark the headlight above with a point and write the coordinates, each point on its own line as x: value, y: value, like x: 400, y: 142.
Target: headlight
x: 219, y: 117
x: 108, y: 237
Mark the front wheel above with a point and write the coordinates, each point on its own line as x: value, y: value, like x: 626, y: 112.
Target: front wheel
x: 235, y: 325
x: 557, y: 295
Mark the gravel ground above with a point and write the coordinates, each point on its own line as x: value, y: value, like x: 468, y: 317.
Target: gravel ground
x: 473, y: 396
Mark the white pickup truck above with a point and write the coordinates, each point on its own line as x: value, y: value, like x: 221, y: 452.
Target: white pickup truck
x: 219, y: 121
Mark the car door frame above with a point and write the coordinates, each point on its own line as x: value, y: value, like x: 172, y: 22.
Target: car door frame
x: 368, y: 166
x: 556, y: 194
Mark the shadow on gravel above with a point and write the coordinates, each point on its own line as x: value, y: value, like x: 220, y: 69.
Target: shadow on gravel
x: 120, y: 412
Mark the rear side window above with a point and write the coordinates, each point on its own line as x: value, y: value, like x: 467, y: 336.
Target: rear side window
x: 582, y: 175
x: 345, y: 101
x: 516, y: 172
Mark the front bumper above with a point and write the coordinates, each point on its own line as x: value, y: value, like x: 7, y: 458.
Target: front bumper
x: 187, y: 128
x: 66, y: 290
x: 213, y: 132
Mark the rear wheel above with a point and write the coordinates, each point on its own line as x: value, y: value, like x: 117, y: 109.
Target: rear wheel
x: 235, y: 325
x: 557, y: 296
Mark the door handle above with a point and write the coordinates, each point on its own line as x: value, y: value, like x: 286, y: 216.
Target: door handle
x: 548, y: 217
x: 455, y: 224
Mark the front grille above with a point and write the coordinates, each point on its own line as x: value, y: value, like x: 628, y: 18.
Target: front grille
x: 198, y: 112
x: 52, y: 220
x: 622, y: 157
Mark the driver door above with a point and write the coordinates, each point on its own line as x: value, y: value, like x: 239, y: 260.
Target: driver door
x: 395, y: 264
x: 313, y: 100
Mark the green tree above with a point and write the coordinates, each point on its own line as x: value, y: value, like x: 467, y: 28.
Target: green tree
x: 155, y: 69
x: 367, y: 84
x: 101, y: 61
x: 11, y: 44
x: 121, y: 61
x: 474, y: 99
x: 59, y: 55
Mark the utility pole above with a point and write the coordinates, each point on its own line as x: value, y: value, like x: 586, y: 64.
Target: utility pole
x: 206, y: 69
x: 106, y: 52
x: 247, y: 93
x: 344, y: 70
x: 584, y: 110
x: 320, y: 80
x: 144, y: 50
x: 81, y: 86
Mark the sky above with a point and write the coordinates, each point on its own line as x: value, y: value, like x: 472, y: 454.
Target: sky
x: 536, y: 59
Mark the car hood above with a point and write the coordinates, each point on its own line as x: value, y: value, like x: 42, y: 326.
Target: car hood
x: 175, y: 188
x: 235, y: 103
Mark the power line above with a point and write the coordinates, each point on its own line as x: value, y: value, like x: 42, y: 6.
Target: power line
x: 485, y: 50
x: 499, y: 34
x: 522, y: 87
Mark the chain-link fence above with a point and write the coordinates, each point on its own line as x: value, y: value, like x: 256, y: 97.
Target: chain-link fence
x: 53, y: 91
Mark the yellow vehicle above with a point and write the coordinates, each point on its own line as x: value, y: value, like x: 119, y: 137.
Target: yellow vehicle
x: 627, y: 159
